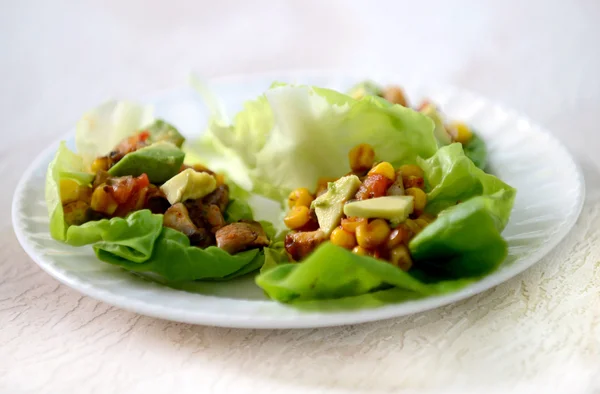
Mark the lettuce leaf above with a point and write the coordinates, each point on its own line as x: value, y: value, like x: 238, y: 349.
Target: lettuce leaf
x: 461, y: 245
x: 65, y: 165
x: 452, y: 178
x: 237, y: 210
x: 175, y: 260
x: 102, y: 128
x: 473, y: 206
x: 140, y: 243
x: 476, y: 150
x: 293, y: 135
x: 132, y: 238
x: 275, y: 255
x: 465, y: 240
x: 332, y: 272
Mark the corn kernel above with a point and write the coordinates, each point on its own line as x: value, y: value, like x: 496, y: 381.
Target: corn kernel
x: 350, y: 224
x: 398, y: 236
x: 342, y: 238
x: 297, y: 217
x: 220, y: 178
x: 384, y: 168
x: 373, y: 234
x: 300, y: 197
x: 72, y: 191
x: 103, y: 201
x: 201, y: 168
x: 412, y: 226
x: 460, y: 132
x: 427, y: 217
x: 68, y: 190
x: 76, y: 213
x: 411, y: 170
x: 400, y: 257
x: 361, y: 157
x: 419, y: 199
x: 359, y: 250
x: 101, y: 164
x: 421, y: 222
x: 394, y: 94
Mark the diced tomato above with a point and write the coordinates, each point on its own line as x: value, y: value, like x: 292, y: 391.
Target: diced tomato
x: 142, y: 181
x: 133, y: 143
x: 122, y: 188
x: 144, y: 135
x: 125, y: 190
x: 375, y: 185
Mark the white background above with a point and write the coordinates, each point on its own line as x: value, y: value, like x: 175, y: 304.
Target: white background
x: 539, y: 331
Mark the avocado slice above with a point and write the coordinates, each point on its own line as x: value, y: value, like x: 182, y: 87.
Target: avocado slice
x: 329, y: 206
x: 440, y: 133
x: 188, y: 185
x: 160, y: 161
x: 163, y: 131
x: 393, y: 208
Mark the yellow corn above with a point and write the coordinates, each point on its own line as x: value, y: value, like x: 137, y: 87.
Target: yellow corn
x: 297, y: 217
x: 350, y: 224
x: 300, y: 197
x: 68, y: 190
x: 100, y: 164
x: 72, y: 191
x: 394, y: 94
x: 461, y: 132
x: 384, y: 168
x: 103, y: 201
x: 411, y: 170
x: 419, y: 199
x: 200, y: 168
x: 412, y: 226
x: 342, y: 238
x: 76, y: 212
x: 359, y: 250
x: 398, y: 236
x: 427, y: 217
x: 373, y: 234
x: 421, y: 222
x: 220, y: 178
x: 400, y: 257
x: 361, y: 157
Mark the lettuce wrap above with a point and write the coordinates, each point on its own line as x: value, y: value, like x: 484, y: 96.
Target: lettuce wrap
x: 293, y: 135
x: 138, y: 242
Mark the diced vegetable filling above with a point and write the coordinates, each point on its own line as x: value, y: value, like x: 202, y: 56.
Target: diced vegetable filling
x: 193, y: 201
x: 374, y: 211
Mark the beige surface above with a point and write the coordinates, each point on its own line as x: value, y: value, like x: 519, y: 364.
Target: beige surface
x: 539, y: 331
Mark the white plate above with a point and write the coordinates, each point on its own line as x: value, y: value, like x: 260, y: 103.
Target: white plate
x: 549, y: 200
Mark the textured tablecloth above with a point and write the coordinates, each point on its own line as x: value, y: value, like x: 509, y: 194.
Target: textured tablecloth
x: 537, y: 332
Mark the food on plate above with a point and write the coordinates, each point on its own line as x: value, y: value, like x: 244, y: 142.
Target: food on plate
x: 378, y: 202
x: 444, y: 131
x: 128, y: 193
x: 376, y: 208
